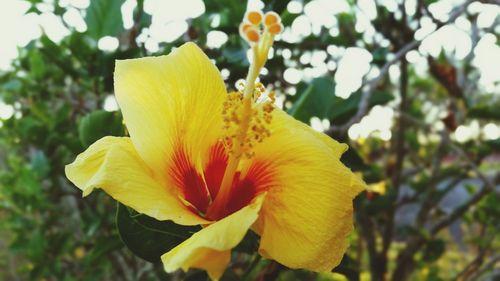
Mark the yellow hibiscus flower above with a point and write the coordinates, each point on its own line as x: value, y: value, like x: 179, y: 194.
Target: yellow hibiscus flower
x: 229, y: 162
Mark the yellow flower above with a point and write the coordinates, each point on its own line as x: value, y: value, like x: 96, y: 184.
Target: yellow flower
x: 379, y: 187
x: 199, y: 156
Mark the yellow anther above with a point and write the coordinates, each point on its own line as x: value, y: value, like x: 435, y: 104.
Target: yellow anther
x: 268, y: 108
x: 275, y: 28
x: 254, y: 17
x: 244, y: 27
x: 257, y: 119
x: 272, y: 96
x: 240, y: 85
x: 271, y: 18
x: 259, y: 86
x: 257, y: 94
x: 252, y: 35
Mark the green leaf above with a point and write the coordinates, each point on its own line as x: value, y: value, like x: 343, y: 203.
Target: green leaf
x: 40, y: 164
x: 145, y: 19
x: 433, y: 250
x: 380, y: 54
x: 37, y: 245
x: 353, y: 160
x: 99, y: 124
x: 318, y: 99
x: 230, y: 11
x: 315, y: 100
x: 235, y: 55
x: 379, y: 204
x: 249, y: 244
x: 344, y: 109
x: 102, y: 247
x: 13, y: 85
x: 408, y: 230
x: 37, y: 65
x: 148, y: 238
x: 56, y: 55
x: 104, y: 18
x: 484, y: 112
x: 494, y: 144
x: 287, y: 18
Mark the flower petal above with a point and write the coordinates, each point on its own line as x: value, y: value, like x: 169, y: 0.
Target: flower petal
x: 112, y: 164
x: 307, y: 213
x: 171, y: 103
x: 210, y: 248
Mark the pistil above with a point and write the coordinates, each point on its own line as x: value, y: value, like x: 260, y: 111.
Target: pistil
x: 259, y: 32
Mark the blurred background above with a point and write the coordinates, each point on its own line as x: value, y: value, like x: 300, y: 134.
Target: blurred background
x: 413, y: 86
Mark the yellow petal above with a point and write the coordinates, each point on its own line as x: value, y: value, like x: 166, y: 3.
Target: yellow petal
x: 171, y: 103
x: 210, y: 248
x: 307, y: 213
x: 112, y: 164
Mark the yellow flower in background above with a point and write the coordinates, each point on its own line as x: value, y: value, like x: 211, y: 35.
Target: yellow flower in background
x: 379, y: 187
x: 229, y: 162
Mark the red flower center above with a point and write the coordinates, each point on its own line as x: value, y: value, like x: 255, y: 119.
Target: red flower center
x: 201, y: 190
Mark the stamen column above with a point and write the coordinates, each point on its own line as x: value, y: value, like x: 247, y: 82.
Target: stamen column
x: 259, y: 31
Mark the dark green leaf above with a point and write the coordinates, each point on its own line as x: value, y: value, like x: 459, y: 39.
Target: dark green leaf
x: 408, y: 230
x: 381, y: 203
x: 148, y: 238
x: 380, y: 54
x: 101, y: 248
x: 494, y: 144
x: 433, y: 250
x: 319, y: 100
x: 348, y: 268
x: 352, y: 160
x: 249, y: 244
x: 485, y: 112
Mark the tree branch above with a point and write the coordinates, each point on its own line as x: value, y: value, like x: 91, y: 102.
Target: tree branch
x: 473, y: 166
x: 487, y: 267
x: 400, y: 151
x: 371, y: 85
x: 475, y: 264
x: 370, y: 88
x: 460, y: 211
x: 428, y: 203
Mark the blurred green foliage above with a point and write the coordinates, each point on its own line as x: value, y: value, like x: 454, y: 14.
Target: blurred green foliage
x: 58, y: 91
